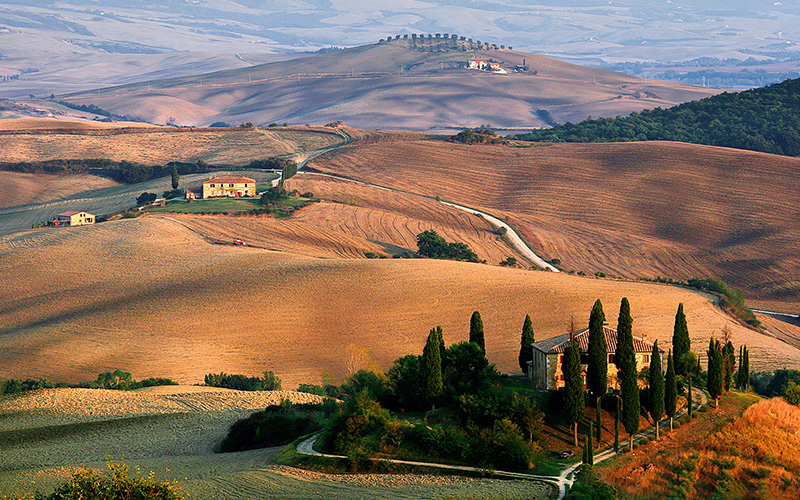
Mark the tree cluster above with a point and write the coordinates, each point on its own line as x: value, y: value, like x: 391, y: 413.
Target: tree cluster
x: 477, y: 136
x: 269, y: 382
x: 763, y: 119
x: 434, y: 246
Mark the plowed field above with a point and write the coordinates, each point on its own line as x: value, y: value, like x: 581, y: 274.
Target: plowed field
x: 627, y: 209
x: 21, y: 189
x: 154, y: 298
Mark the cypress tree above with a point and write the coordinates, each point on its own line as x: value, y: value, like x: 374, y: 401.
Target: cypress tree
x: 599, y: 423
x: 656, y: 405
x: 175, y: 177
x: 597, y: 369
x: 616, y: 427
x: 525, y: 349
x: 590, y: 443
x: 746, y: 369
x: 740, y: 371
x: 476, y: 331
x: 715, y: 371
x: 625, y: 360
x: 585, y: 457
x: 689, y: 409
x: 729, y: 364
x: 670, y: 390
x: 432, y: 356
x: 573, y: 387
x: 681, y: 345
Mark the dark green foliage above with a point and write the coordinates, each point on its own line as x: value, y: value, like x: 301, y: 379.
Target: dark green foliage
x: 689, y: 402
x: 86, y: 484
x: 792, y: 394
x: 590, y: 445
x: 509, y: 261
x: 175, y: 177
x: 432, y: 368
x: 477, y: 136
x: 476, y: 331
x: 117, y: 380
x: 145, y: 198
x: 732, y: 298
x: 272, y: 163
x: 715, y: 380
x: 375, y: 385
x: 466, y: 369
x: 728, y: 364
x: 432, y: 245
x: 275, y: 426
x: 271, y: 196
x: 597, y: 368
x: 681, y: 345
x: 598, y: 423
x: 525, y: 349
x: 670, y: 388
x: 656, y: 403
x: 616, y: 425
x: 761, y: 119
x: 574, y: 406
x: 361, y: 417
x: 743, y: 374
x: 626, y: 365
x: 588, y: 487
x: 270, y: 382
x: 13, y: 386
x: 771, y: 384
x: 407, y: 383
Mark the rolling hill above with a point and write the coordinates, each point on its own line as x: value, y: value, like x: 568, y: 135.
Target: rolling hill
x: 642, y: 209
x: 407, y: 84
x: 154, y: 298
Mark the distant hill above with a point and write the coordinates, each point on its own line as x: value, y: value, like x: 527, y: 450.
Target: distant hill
x: 764, y: 119
x: 408, y: 83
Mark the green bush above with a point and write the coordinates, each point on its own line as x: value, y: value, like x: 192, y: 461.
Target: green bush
x: 270, y: 381
x: 275, y: 426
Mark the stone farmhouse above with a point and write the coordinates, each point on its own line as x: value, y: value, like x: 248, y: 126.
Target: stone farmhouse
x: 73, y: 218
x: 545, y: 368
x: 232, y: 187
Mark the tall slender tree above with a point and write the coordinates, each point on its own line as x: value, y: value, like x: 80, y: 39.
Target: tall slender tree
x: 715, y: 371
x: 432, y: 356
x: 525, y: 349
x: 681, y: 345
x: 590, y: 442
x: 599, y: 422
x: 616, y: 426
x: 573, y: 387
x: 656, y: 403
x: 175, y: 177
x: 746, y: 369
x: 689, y: 402
x: 597, y: 367
x: 476, y: 331
x: 625, y: 359
x: 670, y: 390
x: 740, y: 371
x: 728, y: 364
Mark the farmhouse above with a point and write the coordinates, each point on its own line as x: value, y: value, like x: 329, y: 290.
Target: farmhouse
x: 233, y: 187
x: 545, y: 368
x: 477, y: 64
x: 73, y: 218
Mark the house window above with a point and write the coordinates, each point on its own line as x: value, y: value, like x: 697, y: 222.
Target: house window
x: 646, y: 358
x: 231, y: 185
x: 213, y: 185
x: 610, y: 358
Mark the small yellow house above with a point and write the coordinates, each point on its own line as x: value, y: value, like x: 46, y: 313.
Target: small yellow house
x: 73, y: 218
x: 545, y: 368
x: 232, y: 187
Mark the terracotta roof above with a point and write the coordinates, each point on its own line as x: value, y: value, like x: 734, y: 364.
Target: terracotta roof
x: 69, y: 213
x: 231, y: 179
x: 558, y: 343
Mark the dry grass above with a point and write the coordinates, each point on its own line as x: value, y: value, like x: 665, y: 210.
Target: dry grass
x: 159, y: 145
x: 39, y: 124
x: 152, y: 297
x: 21, y: 189
x: 732, y: 452
x: 629, y: 209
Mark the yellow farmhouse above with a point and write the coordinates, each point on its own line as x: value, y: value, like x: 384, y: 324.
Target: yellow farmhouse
x: 73, y: 218
x: 545, y: 368
x: 233, y: 187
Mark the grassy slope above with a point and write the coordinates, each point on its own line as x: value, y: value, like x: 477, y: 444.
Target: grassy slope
x: 21, y: 189
x: 152, y: 297
x: 366, y: 87
x: 630, y: 209
x: 729, y: 446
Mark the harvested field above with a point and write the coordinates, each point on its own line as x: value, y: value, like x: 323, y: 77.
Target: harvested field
x: 627, y: 209
x: 153, y: 298
x: 159, y: 145
x: 21, y: 189
x: 33, y: 124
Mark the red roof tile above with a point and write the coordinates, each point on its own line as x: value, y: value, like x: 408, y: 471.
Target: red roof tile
x: 558, y: 343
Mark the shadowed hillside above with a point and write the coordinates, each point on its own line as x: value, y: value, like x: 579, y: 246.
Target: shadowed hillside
x: 627, y: 209
x: 402, y: 84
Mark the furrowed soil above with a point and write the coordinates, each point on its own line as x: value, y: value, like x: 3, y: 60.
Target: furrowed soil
x: 627, y: 209
x: 21, y: 189
x: 174, y: 431
x: 154, y: 298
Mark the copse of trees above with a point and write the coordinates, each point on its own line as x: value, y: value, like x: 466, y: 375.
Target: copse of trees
x: 762, y: 119
x: 269, y: 382
x: 432, y: 245
x: 116, y: 380
x: 477, y: 136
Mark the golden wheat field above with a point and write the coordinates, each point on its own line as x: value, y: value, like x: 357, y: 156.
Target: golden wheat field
x: 152, y: 297
x: 158, y: 145
x: 627, y: 209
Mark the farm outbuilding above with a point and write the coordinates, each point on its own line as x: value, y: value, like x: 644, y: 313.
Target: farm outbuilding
x: 73, y: 218
x: 545, y: 368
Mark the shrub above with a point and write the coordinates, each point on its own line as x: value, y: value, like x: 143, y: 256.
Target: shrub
x: 270, y: 382
x: 145, y: 198
x: 275, y: 426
